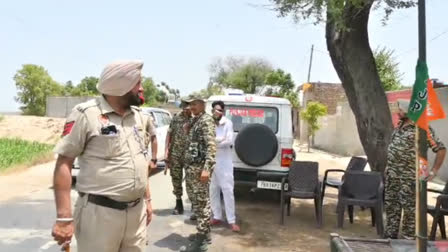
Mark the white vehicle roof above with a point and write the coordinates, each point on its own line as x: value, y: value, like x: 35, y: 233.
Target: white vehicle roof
x: 249, y: 98
x: 152, y: 109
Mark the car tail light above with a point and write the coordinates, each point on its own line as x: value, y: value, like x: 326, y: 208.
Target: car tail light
x: 287, y: 157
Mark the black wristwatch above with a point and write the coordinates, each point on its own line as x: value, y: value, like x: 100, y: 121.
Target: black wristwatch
x: 154, y: 160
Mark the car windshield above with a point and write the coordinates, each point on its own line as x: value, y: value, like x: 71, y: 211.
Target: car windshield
x: 242, y: 116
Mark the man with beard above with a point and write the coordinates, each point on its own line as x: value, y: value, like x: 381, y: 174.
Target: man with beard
x: 109, y: 135
x: 399, y: 195
x: 222, y: 180
x: 176, y: 144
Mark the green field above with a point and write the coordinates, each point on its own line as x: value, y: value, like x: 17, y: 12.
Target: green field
x: 21, y: 153
x: 1, y: 118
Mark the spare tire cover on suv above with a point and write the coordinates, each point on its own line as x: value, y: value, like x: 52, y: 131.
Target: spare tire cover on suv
x: 256, y: 145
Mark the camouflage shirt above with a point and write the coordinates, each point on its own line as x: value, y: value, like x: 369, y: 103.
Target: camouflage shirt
x: 202, y: 148
x: 401, y: 150
x: 178, y: 136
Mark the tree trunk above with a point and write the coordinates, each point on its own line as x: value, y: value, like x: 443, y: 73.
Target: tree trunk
x: 309, y: 144
x: 354, y: 63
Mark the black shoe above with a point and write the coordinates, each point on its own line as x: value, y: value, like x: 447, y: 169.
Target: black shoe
x: 193, y: 217
x: 179, y: 209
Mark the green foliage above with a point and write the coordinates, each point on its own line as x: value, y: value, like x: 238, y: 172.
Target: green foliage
x: 387, y: 68
x: 311, y: 115
x: 87, y: 87
x: 248, y: 75
x: 16, y: 152
x: 240, y: 73
x: 316, y: 9
x: 209, y: 91
x: 34, y: 85
x: 68, y: 88
x: 293, y: 98
x: 283, y: 80
x: 150, y: 91
x: 2, y: 118
x: 166, y: 92
x: 161, y: 97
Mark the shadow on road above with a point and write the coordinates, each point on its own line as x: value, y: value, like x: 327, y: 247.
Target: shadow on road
x: 173, y: 242
x: 163, y: 212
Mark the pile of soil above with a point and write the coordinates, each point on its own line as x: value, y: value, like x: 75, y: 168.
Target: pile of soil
x: 32, y: 128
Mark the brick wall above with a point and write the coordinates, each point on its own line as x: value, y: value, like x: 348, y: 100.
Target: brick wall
x: 328, y: 94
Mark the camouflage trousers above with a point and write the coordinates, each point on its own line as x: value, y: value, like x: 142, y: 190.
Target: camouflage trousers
x: 176, y: 172
x: 400, y: 196
x: 200, y: 198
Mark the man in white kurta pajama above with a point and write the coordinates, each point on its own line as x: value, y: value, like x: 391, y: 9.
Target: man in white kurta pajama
x: 222, y: 178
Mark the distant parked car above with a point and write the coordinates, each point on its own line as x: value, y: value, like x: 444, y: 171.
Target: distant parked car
x: 161, y: 120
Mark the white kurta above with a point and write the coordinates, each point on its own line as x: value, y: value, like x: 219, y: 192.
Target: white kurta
x: 222, y: 178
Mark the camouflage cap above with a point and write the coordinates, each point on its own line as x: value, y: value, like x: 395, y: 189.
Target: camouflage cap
x: 183, y: 103
x: 191, y: 99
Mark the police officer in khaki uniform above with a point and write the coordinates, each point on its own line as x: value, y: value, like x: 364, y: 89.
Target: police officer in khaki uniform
x: 110, y: 136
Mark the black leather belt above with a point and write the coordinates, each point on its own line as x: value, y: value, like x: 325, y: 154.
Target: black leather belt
x: 108, y: 202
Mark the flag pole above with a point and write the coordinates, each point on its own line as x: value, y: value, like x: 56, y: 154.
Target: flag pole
x: 421, y: 147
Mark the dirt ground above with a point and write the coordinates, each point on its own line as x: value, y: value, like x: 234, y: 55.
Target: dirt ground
x: 32, y: 128
x: 260, y: 216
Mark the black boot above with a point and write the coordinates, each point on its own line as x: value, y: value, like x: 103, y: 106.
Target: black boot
x: 198, y: 245
x: 193, y: 216
x: 179, y: 209
x: 208, y: 237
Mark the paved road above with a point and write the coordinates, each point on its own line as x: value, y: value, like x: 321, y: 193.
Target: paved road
x: 26, y: 220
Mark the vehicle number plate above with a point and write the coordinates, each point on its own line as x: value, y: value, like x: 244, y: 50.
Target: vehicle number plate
x: 270, y: 185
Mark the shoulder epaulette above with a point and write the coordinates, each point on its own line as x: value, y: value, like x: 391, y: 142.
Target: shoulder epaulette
x: 136, y: 108
x: 85, y: 105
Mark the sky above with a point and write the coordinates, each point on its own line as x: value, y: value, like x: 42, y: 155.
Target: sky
x: 177, y: 40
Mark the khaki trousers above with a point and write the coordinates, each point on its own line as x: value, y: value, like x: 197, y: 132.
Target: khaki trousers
x: 103, y: 229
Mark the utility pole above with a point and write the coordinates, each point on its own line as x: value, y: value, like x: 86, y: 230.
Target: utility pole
x: 311, y: 63
x: 421, y: 147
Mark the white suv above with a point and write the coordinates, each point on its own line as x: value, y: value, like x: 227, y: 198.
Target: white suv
x: 263, y: 138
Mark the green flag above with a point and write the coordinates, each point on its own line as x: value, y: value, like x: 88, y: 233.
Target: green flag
x: 419, y: 92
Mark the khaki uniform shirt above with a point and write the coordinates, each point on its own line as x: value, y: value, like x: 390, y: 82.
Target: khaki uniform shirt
x: 113, y: 165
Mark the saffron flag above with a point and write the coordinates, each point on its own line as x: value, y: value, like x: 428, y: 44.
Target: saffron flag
x: 433, y: 110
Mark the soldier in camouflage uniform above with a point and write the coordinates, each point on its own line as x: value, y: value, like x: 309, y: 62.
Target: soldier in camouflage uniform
x: 200, y: 161
x: 176, y: 144
x: 400, y: 175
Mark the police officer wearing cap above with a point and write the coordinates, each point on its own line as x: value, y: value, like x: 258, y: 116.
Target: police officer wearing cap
x: 110, y: 136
